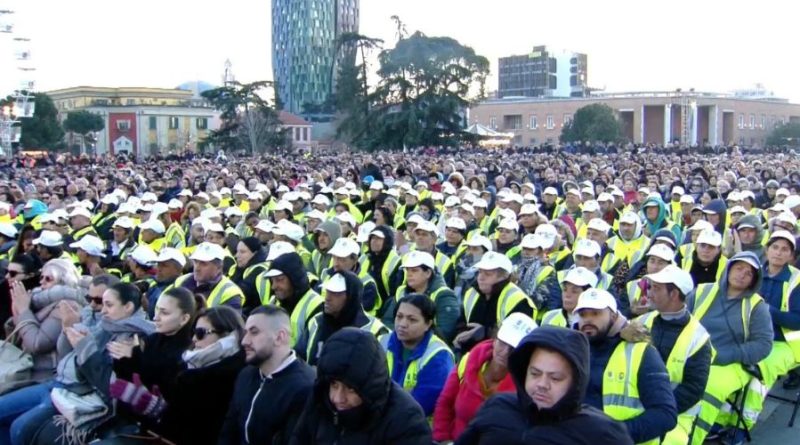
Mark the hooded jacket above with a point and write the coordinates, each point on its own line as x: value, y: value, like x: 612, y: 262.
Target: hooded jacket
x: 516, y: 419
x: 376, y: 262
x: 334, y: 232
x: 388, y: 415
x: 724, y: 324
x: 718, y: 207
x: 757, y: 246
x: 248, y: 283
x: 447, y: 307
x: 291, y: 264
x: 662, y: 220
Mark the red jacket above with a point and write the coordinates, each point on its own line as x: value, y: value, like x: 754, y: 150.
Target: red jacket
x: 460, y: 400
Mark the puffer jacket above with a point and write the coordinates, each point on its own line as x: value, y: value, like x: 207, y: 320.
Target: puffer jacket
x: 388, y: 415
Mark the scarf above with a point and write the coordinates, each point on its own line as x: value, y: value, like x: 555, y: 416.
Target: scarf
x: 219, y: 350
x: 528, y: 270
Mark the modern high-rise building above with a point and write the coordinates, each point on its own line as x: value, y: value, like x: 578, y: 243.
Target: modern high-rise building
x: 305, y: 57
x: 543, y: 73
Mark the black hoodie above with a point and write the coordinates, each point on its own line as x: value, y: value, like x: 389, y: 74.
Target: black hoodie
x: 248, y: 284
x: 388, y: 414
x: 515, y: 418
x: 292, y: 266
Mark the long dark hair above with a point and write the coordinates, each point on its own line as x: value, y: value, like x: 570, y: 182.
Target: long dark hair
x: 224, y: 320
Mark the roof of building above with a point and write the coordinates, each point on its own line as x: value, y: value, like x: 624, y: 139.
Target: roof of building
x: 288, y: 118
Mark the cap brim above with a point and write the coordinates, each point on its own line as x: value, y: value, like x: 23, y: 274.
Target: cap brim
x: 273, y: 273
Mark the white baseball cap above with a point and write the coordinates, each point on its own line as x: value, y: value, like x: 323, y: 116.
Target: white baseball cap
x: 376, y: 185
x: 674, y: 275
x: 738, y: 209
x: 321, y: 199
x: 782, y: 192
x: 265, y: 225
x: 548, y: 230
x: 90, y: 244
x: 175, y: 204
x: 550, y: 191
x: 587, y: 248
x: 531, y: 241
x: 210, y: 213
x: 233, y: 211
x: 687, y: 199
x: 344, y: 247
x: 480, y: 241
x: 456, y: 223
x: 279, y: 248
x: 452, y: 201
x: 80, y: 211
x: 598, y: 224
x: 159, y: 208
x: 783, y: 234
x: 364, y: 231
x: 792, y: 201
x: 336, y: 283
x: 110, y: 199
x: 315, y: 214
x: 346, y: 217
x: 701, y: 225
x: 154, y: 225
x: 171, y: 254
x: 710, y: 237
x: 678, y: 190
x: 580, y: 276
x: 49, y: 238
x: 8, y: 230
x: 416, y: 219
x: 143, y: 255
x: 480, y: 202
x: 508, y: 224
x: 416, y: 258
x: 628, y: 218
x: 208, y: 252
x: 514, y: 328
x: 591, y: 206
x: 290, y: 230
x: 528, y: 209
x: 605, y: 197
x: 283, y: 205
x: 787, y: 217
x: 427, y: 226
x: 596, y: 299
x: 495, y: 260
x: 662, y: 251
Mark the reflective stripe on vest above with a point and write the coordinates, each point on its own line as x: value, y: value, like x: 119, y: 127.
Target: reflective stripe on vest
x: 222, y: 292
x: 707, y: 292
x: 620, y: 381
x: 373, y: 326
x: 721, y: 265
x: 510, y: 297
x: 301, y: 314
x: 634, y: 292
x: 691, y: 339
x: 175, y: 236
x: 554, y: 318
x: 792, y: 337
x: 435, y: 346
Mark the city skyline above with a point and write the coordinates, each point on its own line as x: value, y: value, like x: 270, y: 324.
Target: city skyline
x: 631, y: 46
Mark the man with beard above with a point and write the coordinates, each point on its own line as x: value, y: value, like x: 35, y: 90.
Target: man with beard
x: 270, y: 393
x: 642, y: 399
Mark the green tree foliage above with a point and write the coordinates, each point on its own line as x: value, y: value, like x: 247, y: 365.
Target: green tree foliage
x: 595, y: 122
x: 424, y: 90
x: 84, y: 123
x: 785, y: 134
x: 43, y: 130
x: 351, y: 98
x: 249, y: 122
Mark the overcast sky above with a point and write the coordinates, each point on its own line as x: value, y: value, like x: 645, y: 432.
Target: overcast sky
x: 633, y: 45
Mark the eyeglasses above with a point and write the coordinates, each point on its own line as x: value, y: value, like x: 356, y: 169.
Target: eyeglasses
x: 95, y: 300
x: 48, y: 278
x: 14, y: 273
x: 200, y: 333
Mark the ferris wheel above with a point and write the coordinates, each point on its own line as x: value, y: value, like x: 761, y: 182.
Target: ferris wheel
x: 21, y: 94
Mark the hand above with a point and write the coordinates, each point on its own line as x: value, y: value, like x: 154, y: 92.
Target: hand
x: 122, y: 349
x: 639, y: 309
x: 399, y: 238
x: 464, y: 336
x: 20, y: 298
x: 68, y: 312
x: 74, y: 336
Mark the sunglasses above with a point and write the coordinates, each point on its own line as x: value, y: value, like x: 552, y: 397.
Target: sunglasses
x: 13, y: 273
x: 200, y: 333
x: 95, y: 300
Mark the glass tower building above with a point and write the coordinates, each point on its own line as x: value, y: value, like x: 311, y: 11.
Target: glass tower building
x: 305, y: 58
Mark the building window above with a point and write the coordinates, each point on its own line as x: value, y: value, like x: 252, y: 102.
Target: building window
x: 493, y: 123
x: 567, y: 119
x: 550, y: 122
x: 741, y: 121
x: 202, y: 123
x: 763, y: 121
x: 752, y: 121
x: 153, y: 122
x: 173, y: 123
x: 296, y: 133
x: 123, y: 125
x: 305, y: 134
x: 534, y: 124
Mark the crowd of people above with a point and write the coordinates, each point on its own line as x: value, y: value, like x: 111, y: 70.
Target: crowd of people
x: 645, y: 295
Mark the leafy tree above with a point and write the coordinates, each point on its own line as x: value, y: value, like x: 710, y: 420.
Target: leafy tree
x: 352, y: 90
x: 43, y: 130
x: 423, y: 93
x: 84, y: 123
x: 783, y: 134
x: 595, y: 122
x: 249, y: 122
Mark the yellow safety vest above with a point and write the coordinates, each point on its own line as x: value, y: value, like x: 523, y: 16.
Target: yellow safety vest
x: 434, y: 347
x: 510, y: 297
x: 689, y: 262
x: 175, y: 236
x: 390, y: 265
x: 629, y: 249
x: 316, y: 263
x: 222, y: 292
x: 693, y: 337
x: 707, y: 292
x: 792, y: 337
x: 554, y: 317
x: 156, y: 245
x: 373, y: 326
x: 301, y: 315
x: 621, y: 383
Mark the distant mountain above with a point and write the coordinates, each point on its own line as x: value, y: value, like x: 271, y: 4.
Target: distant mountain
x: 197, y: 86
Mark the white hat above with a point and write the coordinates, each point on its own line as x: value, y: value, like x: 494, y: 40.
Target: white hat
x: 265, y: 225
x: 591, y: 206
x: 480, y: 202
x: 598, y: 224
x: 291, y: 196
x: 285, y: 206
x: 575, y: 192
x: 149, y: 196
x: 8, y: 230
x: 701, y: 225
x: 587, y: 191
x: 596, y: 299
x: 617, y: 192
x: 315, y: 214
x: 531, y: 241
x: 547, y: 230
x: 80, y: 211
x: 233, y: 211
x: 378, y: 233
x: 290, y: 230
x: 344, y: 247
x: 208, y: 252
x: 154, y: 225
x: 495, y: 260
x: 783, y: 234
x: 336, y: 283
x: 514, y: 328
x: 733, y: 196
x: 628, y: 218
x: 787, y: 217
x: 687, y: 199
x: 185, y: 192
x: 550, y: 191
x: 528, y: 197
x: 321, y: 199
x: 528, y: 209
x: 143, y: 255
x: 90, y: 244
x: 738, y: 209
x: 171, y: 254
x: 214, y: 227
x: 468, y: 208
x: 364, y: 230
x: 514, y: 197
x: 203, y: 195
x: 341, y: 191
x: 456, y: 223
x: 644, y: 190
x: 110, y: 199
x: 279, y: 248
x: 412, y: 192
x: 175, y: 204
x: 436, y: 196
x: 415, y: 219
x: 427, y: 226
x: 216, y: 194
x: 376, y: 185
x: 452, y: 201
x: 239, y: 189
x: 604, y: 197
x: 283, y: 188
x: 675, y: 275
x: 792, y: 201
x: 779, y: 207
x: 480, y: 241
x: 587, y: 248
x: 346, y: 217
x: 416, y: 258
x: 125, y: 222
x: 782, y: 192
x: 710, y: 237
x: 255, y: 196
x: 49, y: 238
x: 508, y: 224
x: 580, y: 276
x: 210, y: 213
x: 747, y: 194
x: 224, y: 191
x: 678, y: 190
x: 662, y: 251
x: 61, y: 214
x: 506, y: 213
x: 159, y: 208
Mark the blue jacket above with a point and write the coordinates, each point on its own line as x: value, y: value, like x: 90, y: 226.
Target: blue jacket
x: 655, y: 391
x: 772, y: 292
x: 431, y: 377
